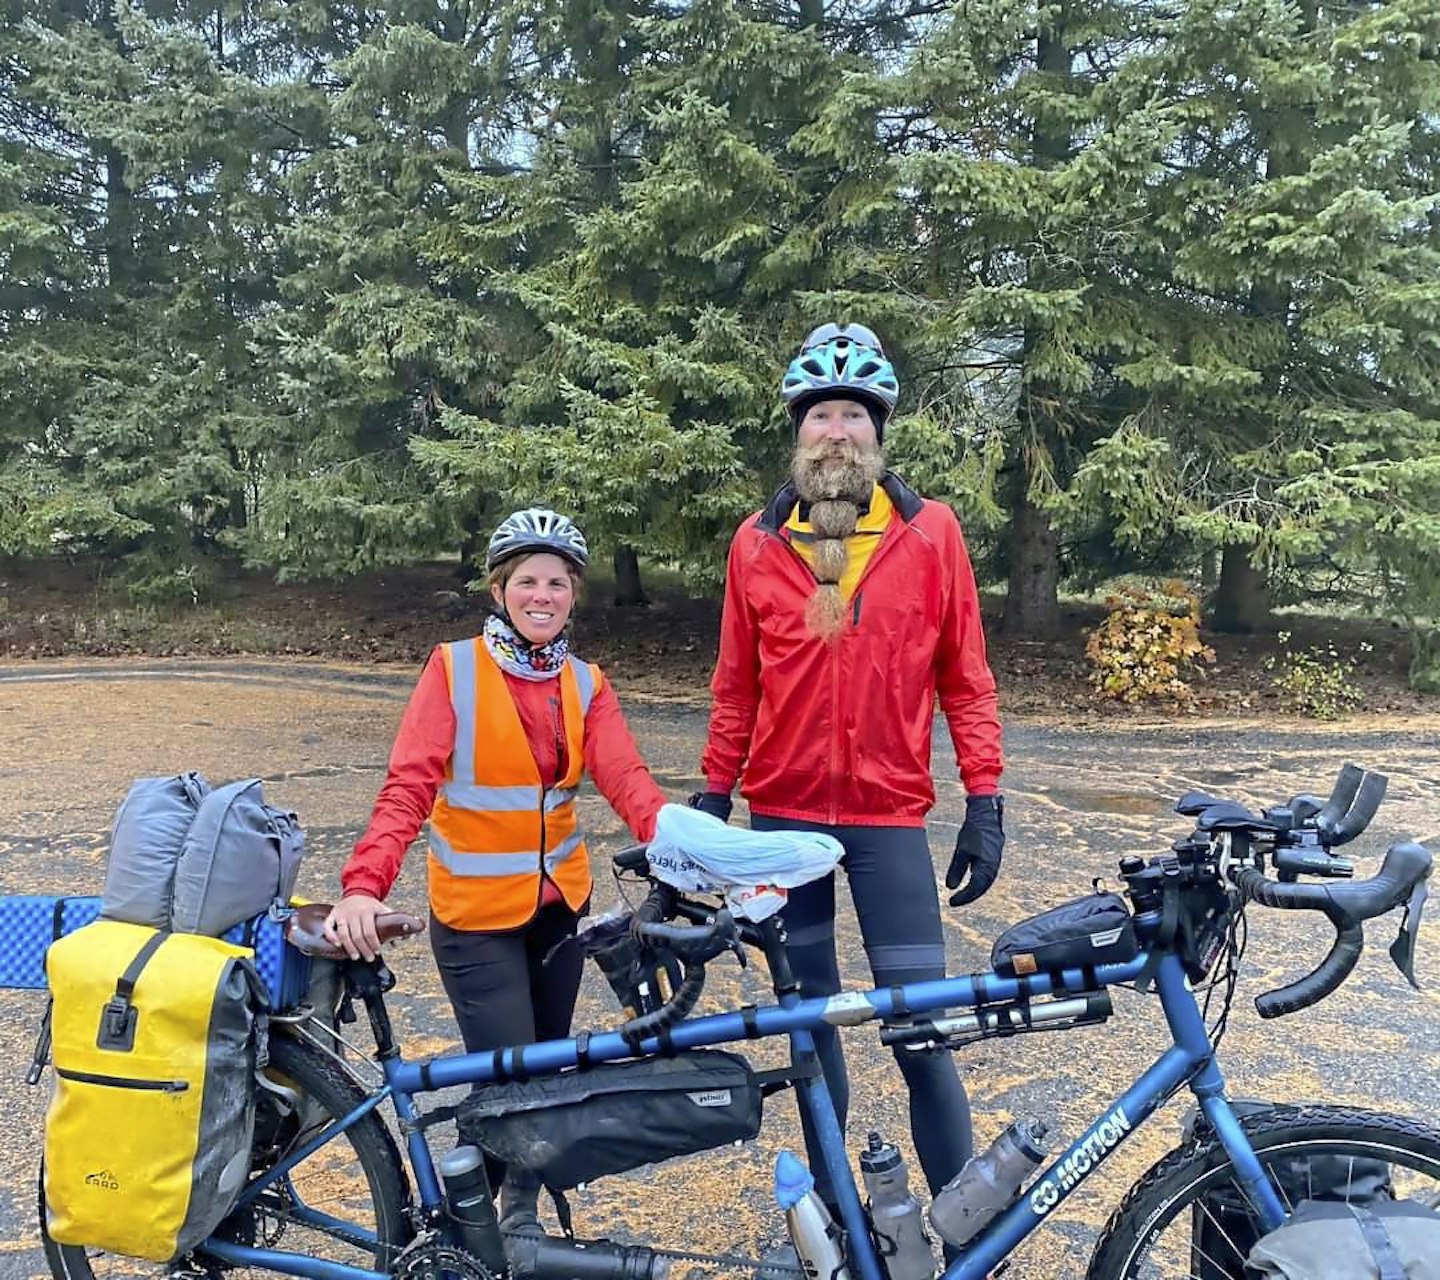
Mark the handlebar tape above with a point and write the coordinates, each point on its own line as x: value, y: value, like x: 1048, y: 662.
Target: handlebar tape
x: 1347, y: 907
x: 1358, y: 816
x: 1341, y: 797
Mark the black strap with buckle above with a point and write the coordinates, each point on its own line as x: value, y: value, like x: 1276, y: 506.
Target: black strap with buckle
x: 118, y: 1018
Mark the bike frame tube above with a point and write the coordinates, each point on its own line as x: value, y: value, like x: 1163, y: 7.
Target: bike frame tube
x: 308, y: 1149
x: 287, y: 1264
x: 1190, y: 1059
x: 1190, y: 1055
x: 552, y: 1056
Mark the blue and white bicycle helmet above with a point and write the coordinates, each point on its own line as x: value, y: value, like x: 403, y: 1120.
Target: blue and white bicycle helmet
x: 841, y: 359
x: 537, y: 529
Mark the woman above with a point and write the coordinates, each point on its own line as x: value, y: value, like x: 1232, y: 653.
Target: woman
x: 490, y: 751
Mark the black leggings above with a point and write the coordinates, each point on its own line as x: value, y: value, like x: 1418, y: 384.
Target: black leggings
x: 502, y: 990
x: 892, y: 882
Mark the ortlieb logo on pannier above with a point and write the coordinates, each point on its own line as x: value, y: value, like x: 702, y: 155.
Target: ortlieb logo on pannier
x: 147, y: 1137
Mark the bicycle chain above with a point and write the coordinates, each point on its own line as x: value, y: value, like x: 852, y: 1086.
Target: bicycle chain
x: 726, y: 1261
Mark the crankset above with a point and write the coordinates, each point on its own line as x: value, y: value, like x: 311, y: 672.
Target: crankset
x: 428, y: 1259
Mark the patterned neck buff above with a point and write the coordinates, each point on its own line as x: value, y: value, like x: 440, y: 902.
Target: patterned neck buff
x: 518, y: 656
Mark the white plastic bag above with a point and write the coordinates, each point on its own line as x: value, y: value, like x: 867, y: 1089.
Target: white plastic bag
x: 755, y: 870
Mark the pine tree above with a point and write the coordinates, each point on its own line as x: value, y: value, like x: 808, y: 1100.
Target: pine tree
x: 137, y: 441
x: 1292, y: 409
x: 666, y: 254
x: 1022, y: 200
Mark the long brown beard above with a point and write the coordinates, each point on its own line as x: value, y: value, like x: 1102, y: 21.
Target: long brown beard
x: 834, y: 478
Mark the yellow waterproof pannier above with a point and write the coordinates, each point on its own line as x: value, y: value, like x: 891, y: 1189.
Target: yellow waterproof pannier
x: 147, y: 1139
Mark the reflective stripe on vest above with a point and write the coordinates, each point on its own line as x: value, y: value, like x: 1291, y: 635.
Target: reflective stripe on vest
x: 462, y: 701
x: 491, y: 865
x: 486, y: 831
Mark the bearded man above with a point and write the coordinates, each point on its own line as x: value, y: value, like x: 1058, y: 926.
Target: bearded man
x: 850, y: 603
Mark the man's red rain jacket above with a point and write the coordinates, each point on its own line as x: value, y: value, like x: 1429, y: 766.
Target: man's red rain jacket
x: 840, y: 733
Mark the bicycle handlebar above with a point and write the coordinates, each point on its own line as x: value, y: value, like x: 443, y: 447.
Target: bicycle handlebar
x: 1342, y: 795
x: 1356, y: 817
x: 692, y: 947
x: 1400, y: 881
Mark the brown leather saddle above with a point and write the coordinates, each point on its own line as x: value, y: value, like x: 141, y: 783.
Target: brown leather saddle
x: 305, y: 930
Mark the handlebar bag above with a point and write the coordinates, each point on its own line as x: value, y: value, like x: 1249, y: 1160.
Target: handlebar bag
x: 1383, y: 1240
x: 1095, y: 929
x: 588, y: 1123
x: 632, y: 970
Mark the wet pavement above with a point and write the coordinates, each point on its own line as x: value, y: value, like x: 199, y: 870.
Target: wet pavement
x: 73, y: 735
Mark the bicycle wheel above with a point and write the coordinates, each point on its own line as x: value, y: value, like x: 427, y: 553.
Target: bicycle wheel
x: 357, y: 1178
x: 1166, y: 1226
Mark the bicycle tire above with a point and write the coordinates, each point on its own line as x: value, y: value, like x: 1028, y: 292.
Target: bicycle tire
x: 1136, y: 1245
x: 328, y: 1093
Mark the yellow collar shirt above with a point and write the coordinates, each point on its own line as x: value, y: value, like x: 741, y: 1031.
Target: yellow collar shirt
x: 859, y: 546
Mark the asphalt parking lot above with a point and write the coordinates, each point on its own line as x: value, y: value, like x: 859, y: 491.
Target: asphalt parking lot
x: 73, y: 736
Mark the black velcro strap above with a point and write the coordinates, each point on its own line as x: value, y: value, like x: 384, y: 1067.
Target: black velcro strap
x: 778, y: 1078
x: 497, y: 1067
x: 582, y: 1050
x: 749, y: 1015
x: 563, y: 1216
x: 1382, y: 1247
x: 518, y: 1072
x: 57, y: 920
x: 119, y: 1016
x: 667, y: 1043
x: 426, y: 1082
x: 125, y: 984
x: 899, y: 1006
x: 1092, y: 979
x: 441, y: 1115
x: 982, y: 988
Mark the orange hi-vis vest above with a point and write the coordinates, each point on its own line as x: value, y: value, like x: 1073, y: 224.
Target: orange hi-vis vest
x: 495, y: 828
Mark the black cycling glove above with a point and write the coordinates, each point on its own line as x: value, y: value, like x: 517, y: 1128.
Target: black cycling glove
x: 978, y: 848
x: 715, y: 803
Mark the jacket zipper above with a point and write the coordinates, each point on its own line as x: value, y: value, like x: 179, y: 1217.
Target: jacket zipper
x: 123, y: 1082
x: 835, y: 730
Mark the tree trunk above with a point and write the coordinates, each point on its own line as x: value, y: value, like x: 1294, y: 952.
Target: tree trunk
x: 1242, y: 600
x: 471, y: 549
x: 1209, y: 570
x: 1032, y: 598
x: 629, y: 592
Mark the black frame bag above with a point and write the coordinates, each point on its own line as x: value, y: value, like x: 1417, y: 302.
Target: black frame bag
x: 587, y: 1124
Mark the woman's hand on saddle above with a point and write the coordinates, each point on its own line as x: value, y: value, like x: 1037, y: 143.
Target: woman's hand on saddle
x: 351, y: 925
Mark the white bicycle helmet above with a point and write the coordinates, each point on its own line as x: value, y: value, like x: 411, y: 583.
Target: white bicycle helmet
x: 537, y: 529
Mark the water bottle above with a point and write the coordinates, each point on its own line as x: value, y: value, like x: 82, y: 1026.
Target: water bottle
x: 988, y: 1182
x: 471, y: 1210
x: 895, y: 1213
x: 812, y: 1231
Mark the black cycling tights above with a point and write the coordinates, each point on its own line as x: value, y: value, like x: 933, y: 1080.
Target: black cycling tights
x: 892, y: 882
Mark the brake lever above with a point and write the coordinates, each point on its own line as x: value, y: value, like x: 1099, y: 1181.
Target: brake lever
x: 1402, y: 950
